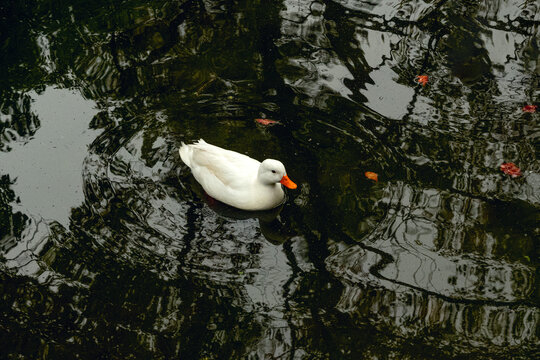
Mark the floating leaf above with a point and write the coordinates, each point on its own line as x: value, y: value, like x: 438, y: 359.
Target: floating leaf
x: 266, y: 121
x: 371, y: 175
x: 511, y: 169
x: 422, y: 79
x: 530, y: 108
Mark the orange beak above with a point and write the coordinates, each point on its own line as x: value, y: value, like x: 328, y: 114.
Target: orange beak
x: 288, y: 182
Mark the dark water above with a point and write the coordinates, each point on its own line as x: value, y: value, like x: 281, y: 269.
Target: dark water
x: 109, y: 249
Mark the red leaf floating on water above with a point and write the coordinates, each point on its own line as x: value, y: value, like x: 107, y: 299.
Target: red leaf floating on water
x: 371, y: 175
x: 530, y: 108
x: 422, y: 79
x: 511, y: 169
x: 266, y: 121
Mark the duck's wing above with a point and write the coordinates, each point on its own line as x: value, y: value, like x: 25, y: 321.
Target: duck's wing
x: 230, y: 168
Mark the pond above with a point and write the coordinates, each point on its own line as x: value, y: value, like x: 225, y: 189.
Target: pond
x: 109, y: 249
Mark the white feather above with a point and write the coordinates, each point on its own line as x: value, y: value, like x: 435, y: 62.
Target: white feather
x: 233, y: 178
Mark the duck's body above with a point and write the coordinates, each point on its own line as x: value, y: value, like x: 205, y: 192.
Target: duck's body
x: 234, y: 178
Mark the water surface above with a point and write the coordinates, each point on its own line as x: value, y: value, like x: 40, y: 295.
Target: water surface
x: 109, y: 248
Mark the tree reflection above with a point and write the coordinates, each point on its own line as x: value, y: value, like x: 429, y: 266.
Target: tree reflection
x: 11, y: 223
x: 18, y: 122
x: 437, y: 258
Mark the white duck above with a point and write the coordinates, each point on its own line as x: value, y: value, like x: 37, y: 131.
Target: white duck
x: 236, y: 179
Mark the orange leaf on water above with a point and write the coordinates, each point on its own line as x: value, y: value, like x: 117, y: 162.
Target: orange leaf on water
x: 371, y: 175
x: 266, y: 121
x: 422, y: 79
x: 530, y: 108
x: 511, y: 169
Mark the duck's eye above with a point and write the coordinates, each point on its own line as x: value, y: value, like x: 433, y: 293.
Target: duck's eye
x: 274, y: 171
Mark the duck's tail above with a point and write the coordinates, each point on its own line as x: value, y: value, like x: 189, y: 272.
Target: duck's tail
x: 186, y: 151
x: 185, y: 154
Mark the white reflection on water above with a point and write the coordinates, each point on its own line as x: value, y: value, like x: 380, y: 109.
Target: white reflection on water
x: 47, y: 168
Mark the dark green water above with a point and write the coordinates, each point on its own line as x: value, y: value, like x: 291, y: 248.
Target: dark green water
x: 109, y: 249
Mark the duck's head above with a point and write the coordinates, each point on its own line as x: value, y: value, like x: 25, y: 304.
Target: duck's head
x: 272, y: 171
